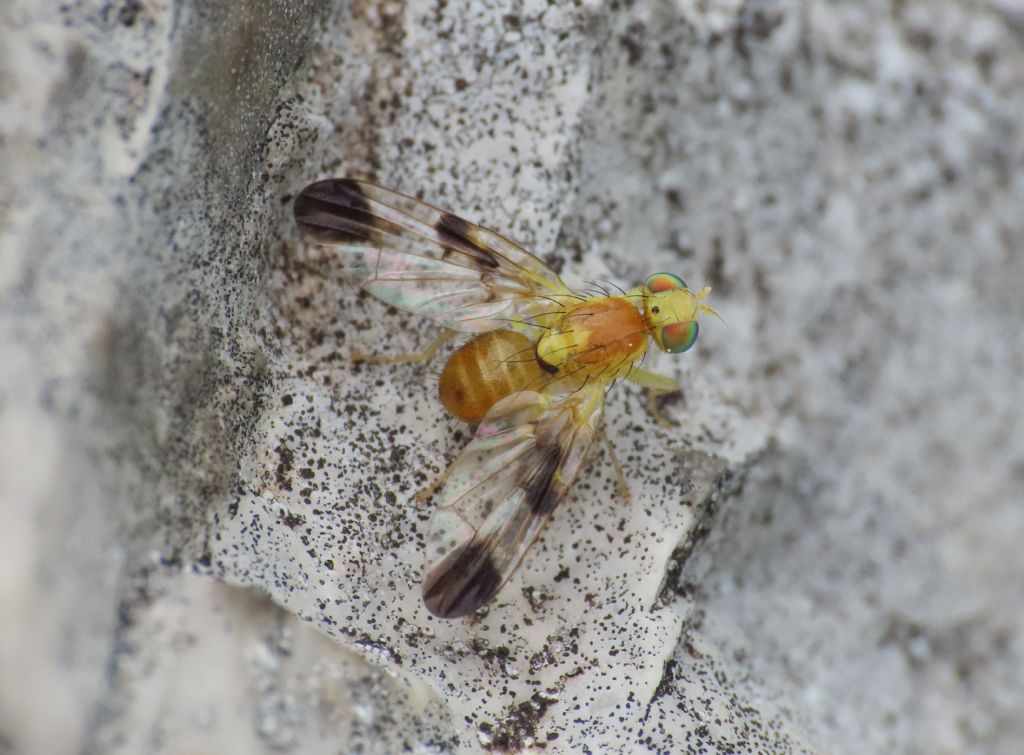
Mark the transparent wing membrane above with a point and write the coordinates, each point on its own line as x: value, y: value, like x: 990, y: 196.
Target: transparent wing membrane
x: 425, y: 260
x: 500, y: 492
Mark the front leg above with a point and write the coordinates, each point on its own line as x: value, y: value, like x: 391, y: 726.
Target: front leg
x: 656, y: 385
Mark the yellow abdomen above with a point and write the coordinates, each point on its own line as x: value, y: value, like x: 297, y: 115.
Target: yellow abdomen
x: 487, y: 369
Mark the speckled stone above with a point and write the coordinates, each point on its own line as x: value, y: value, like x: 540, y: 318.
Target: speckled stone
x: 211, y: 540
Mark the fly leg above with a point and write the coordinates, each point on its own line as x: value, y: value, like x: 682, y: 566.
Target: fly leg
x: 620, y: 478
x: 418, y: 357
x: 656, y: 385
x: 432, y: 487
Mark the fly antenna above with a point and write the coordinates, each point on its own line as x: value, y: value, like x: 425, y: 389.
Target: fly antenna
x: 703, y: 308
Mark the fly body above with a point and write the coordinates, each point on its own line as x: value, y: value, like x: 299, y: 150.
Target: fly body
x: 532, y: 378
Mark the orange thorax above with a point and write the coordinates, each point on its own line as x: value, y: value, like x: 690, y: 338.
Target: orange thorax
x: 600, y: 337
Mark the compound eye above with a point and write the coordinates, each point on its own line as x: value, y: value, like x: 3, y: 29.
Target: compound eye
x: 664, y: 282
x: 679, y: 336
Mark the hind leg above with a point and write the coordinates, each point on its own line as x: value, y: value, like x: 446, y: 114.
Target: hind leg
x: 418, y: 357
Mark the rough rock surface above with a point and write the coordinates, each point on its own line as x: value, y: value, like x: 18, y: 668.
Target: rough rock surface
x: 210, y: 540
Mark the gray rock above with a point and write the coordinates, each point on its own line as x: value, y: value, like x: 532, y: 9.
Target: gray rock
x: 210, y: 538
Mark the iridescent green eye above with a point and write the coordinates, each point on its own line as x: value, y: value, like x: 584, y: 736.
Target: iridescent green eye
x: 664, y: 282
x: 679, y: 336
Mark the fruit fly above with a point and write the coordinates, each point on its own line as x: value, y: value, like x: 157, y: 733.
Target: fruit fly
x: 533, y: 378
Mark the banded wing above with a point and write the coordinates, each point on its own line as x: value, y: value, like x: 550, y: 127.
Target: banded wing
x: 501, y: 490
x: 425, y: 260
